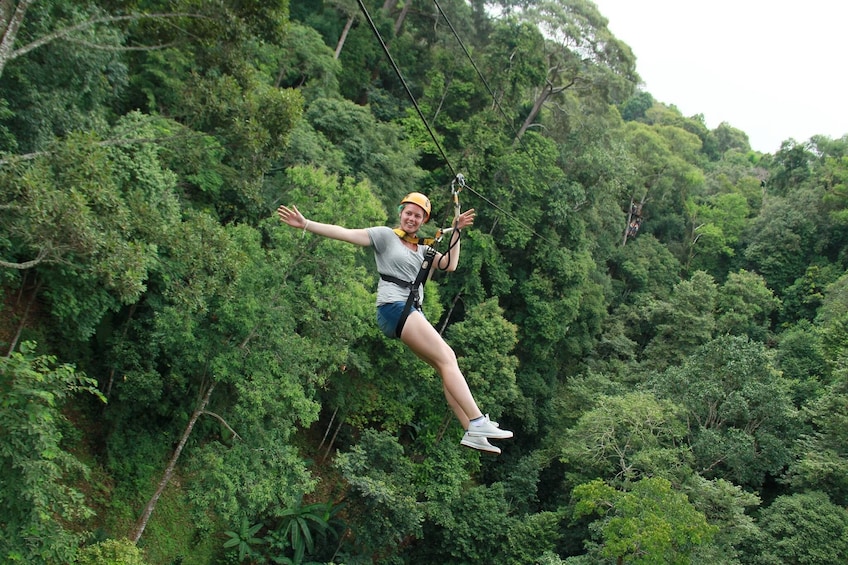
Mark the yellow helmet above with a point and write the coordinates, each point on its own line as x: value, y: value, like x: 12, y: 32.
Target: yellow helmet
x: 420, y: 200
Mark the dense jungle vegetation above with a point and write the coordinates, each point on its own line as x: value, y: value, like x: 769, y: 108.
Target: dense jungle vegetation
x: 186, y: 380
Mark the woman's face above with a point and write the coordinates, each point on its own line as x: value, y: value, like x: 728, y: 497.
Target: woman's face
x: 411, y: 218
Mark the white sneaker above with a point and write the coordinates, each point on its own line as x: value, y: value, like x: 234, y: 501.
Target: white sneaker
x: 485, y: 428
x: 478, y: 442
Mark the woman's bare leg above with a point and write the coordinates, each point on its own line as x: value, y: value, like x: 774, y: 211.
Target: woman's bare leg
x: 457, y: 409
x: 423, y: 339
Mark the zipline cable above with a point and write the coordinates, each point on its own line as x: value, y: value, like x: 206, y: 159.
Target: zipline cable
x: 476, y: 69
x: 427, y: 124
x: 405, y: 85
x: 500, y: 109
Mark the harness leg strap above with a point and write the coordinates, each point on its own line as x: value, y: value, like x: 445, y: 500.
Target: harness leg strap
x: 407, y: 310
x: 423, y: 272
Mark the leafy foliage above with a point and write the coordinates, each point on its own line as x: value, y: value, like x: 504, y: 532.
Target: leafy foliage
x: 244, y: 539
x: 647, y: 523
x: 654, y: 380
x: 40, y: 500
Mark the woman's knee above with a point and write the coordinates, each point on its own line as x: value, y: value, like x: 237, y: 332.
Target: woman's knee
x: 446, y: 356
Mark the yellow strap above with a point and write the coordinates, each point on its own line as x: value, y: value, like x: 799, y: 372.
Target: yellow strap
x: 413, y: 239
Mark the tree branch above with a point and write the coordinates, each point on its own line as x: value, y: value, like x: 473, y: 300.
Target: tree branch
x: 224, y: 422
x: 42, y: 253
x: 66, y: 32
x: 121, y: 47
x: 104, y: 143
x: 169, y: 470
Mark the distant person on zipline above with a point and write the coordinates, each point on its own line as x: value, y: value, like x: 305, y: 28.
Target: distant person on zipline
x: 400, y: 255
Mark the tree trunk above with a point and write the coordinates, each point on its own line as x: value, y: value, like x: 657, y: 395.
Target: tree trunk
x: 10, y: 22
x: 14, y: 343
x: 169, y: 470
x: 402, y: 16
x: 548, y: 91
x: 537, y: 107
x: 343, y: 37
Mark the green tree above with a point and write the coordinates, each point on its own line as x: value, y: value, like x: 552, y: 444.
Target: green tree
x: 252, y: 121
x: 471, y: 528
x: 223, y: 326
x: 624, y: 438
x: 741, y: 418
x: 745, y: 306
x: 728, y: 138
x: 784, y: 239
x: 484, y: 341
x: 727, y: 506
x: 582, y: 54
x: 800, y: 357
x: 41, y: 504
x: 804, y: 528
x: 665, y: 177
x: 382, y: 493
x: 790, y: 168
x: 307, y: 63
x: 635, y: 107
x: 372, y: 149
x: 60, y: 70
x: 822, y: 462
x: 832, y: 320
x: 648, y: 523
x: 803, y: 298
x: 684, y: 322
x: 718, y: 226
x: 111, y: 552
x: 88, y: 218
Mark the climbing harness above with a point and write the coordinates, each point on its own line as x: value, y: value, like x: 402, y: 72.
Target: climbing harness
x: 425, y: 271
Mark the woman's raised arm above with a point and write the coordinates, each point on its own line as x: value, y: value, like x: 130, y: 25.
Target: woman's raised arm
x: 295, y: 219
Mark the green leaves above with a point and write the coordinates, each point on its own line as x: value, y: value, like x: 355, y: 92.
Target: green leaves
x: 244, y: 539
x: 804, y: 528
x: 301, y: 526
x: 625, y: 438
x: 645, y: 524
x: 382, y: 492
x: 40, y: 496
x: 739, y: 407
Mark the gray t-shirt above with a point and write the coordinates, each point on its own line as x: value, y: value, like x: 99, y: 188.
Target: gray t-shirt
x: 397, y: 260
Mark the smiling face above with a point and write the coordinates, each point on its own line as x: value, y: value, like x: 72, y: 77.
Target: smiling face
x: 411, y: 217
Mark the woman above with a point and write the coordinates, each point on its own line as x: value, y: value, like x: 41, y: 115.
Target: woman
x: 399, y: 258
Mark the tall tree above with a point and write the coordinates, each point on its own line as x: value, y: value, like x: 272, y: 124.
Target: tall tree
x: 745, y: 306
x: 581, y: 53
x: 742, y: 421
x: 383, y: 490
x: 684, y: 322
x: 87, y: 218
x: 802, y: 528
x: 624, y: 438
x: 647, y: 523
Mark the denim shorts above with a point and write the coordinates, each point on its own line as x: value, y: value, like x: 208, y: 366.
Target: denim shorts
x: 388, y: 316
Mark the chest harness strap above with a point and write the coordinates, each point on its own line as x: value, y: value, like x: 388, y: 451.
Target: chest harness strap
x: 412, y: 300
x: 429, y: 255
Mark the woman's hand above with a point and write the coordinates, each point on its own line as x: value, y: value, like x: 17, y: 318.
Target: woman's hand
x: 292, y: 216
x: 465, y: 219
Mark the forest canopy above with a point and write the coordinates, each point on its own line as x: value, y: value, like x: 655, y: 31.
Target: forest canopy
x: 659, y: 312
